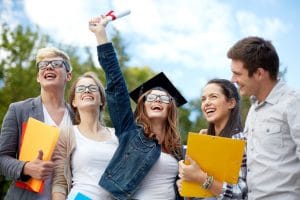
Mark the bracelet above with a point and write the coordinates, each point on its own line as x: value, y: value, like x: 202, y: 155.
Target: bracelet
x: 208, y: 182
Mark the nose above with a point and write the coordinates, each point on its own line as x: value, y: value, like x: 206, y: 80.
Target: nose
x: 233, y: 78
x: 157, y: 99
x: 87, y: 90
x: 49, y: 66
x: 206, y: 102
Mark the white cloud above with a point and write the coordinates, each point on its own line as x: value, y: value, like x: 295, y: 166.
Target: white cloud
x: 175, y: 36
x: 250, y: 24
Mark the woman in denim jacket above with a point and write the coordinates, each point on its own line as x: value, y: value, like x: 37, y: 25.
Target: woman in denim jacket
x: 144, y: 165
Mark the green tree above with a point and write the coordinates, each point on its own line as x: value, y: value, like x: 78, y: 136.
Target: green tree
x: 18, y: 47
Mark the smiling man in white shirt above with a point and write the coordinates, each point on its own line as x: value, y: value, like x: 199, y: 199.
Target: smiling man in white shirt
x: 273, y: 122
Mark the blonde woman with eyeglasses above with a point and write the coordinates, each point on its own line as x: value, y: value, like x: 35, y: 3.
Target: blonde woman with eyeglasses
x: 85, y: 149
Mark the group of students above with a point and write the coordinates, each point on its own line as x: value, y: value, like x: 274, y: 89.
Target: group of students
x: 141, y: 157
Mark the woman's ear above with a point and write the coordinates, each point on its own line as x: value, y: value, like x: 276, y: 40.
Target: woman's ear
x: 73, y: 103
x: 232, y: 103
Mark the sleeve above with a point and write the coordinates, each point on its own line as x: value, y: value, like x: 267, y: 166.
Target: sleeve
x: 118, y: 99
x: 60, y: 159
x: 10, y: 166
x: 293, y: 120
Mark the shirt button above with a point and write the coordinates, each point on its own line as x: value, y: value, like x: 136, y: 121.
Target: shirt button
x: 268, y: 130
x: 248, y: 170
x: 252, y: 130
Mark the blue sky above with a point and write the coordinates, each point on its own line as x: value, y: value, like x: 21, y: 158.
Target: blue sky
x: 188, y: 40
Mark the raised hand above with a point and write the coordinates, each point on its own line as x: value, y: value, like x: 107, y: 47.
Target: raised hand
x: 97, y: 26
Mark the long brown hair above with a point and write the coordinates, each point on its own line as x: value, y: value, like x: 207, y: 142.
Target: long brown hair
x: 171, y: 142
x: 94, y: 77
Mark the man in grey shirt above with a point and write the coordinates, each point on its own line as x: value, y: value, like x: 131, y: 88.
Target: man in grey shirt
x: 273, y: 122
x: 53, y: 72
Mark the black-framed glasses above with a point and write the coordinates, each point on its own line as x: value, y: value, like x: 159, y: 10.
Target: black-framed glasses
x: 82, y: 88
x: 163, y: 98
x: 42, y: 65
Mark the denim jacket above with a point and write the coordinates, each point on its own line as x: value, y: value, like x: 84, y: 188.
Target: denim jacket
x: 136, y: 153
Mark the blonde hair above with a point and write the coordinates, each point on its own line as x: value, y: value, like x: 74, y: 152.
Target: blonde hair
x: 49, y: 52
x: 95, y: 78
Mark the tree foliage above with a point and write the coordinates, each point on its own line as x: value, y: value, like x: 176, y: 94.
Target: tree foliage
x: 18, y: 47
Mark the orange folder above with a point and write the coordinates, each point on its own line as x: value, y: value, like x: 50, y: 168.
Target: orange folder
x: 37, y: 136
x: 217, y: 156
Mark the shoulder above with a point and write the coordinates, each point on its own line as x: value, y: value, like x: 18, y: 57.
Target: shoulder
x: 25, y: 103
x: 67, y: 132
x: 239, y: 135
x: 111, y: 131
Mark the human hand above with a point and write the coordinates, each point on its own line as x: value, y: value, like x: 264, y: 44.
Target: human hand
x: 39, y: 168
x: 191, y: 172
x: 97, y: 26
x: 179, y: 185
x: 203, y: 131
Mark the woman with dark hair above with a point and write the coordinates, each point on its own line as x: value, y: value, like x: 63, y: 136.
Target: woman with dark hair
x: 145, y: 165
x: 220, y: 106
x: 233, y: 124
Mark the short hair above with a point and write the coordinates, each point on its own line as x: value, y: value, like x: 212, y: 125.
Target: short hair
x: 256, y: 52
x: 49, y: 52
x: 94, y: 77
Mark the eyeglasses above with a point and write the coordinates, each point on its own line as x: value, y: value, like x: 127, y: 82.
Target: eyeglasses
x: 163, y: 98
x: 54, y: 63
x: 82, y: 88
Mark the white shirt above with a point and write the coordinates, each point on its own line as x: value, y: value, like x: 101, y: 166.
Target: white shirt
x: 159, y: 182
x: 66, y: 121
x: 89, y: 160
x: 273, y: 148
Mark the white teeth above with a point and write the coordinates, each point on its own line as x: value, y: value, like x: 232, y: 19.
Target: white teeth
x: 87, y: 97
x: 209, y: 110
x: 50, y: 76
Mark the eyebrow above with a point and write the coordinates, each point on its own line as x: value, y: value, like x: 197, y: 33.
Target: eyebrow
x: 214, y: 93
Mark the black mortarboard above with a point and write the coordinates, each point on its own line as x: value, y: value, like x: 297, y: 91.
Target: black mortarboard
x: 160, y: 80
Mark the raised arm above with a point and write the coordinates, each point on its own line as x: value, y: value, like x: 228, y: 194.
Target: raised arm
x: 116, y: 90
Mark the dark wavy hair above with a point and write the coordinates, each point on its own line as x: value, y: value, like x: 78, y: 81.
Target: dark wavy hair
x: 234, y: 123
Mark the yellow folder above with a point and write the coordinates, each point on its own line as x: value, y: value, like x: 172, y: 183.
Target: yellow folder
x: 217, y: 156
x: 37, y: 136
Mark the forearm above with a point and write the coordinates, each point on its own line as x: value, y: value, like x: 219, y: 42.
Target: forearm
x: 60, y: 184
x: 213, y: 185
x: 101, y: 37
x: 116, y: 90
x: 10, y: 166
x: 58, y: 196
